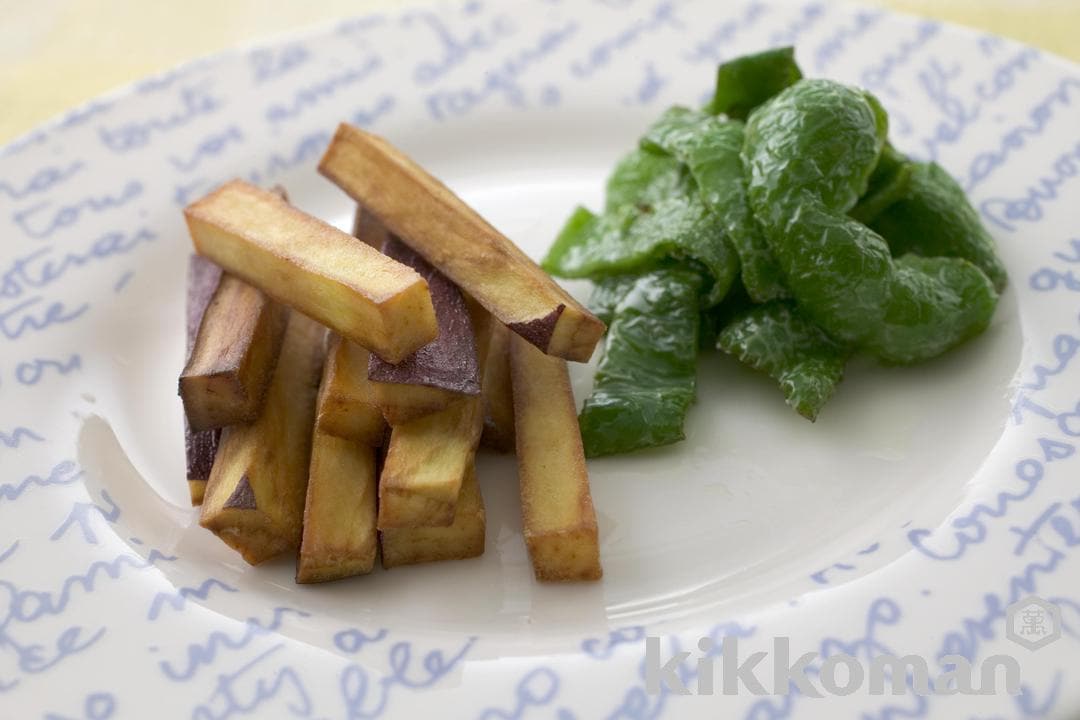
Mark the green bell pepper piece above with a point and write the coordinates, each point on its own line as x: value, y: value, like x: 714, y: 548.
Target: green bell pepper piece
x: 777, y: 340
x: 934, y: 218
x: 710, y: 147
x: 809, y: 153
x: 746, y: 82
x: 889, y: 183
x: 646, y: 380
x: 667, y: 220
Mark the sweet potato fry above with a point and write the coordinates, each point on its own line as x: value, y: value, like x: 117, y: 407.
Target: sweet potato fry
x: 463, y: 246
x: 401, y: 403
x: 556, y: 505
x: 255, y: 497
x: 347, y: 407
x: 315, y: 268
x: 339, y: 538
x: 368, y: 229
x: 200, y: 448
x: 424, y: 466
x: 428, y: 457
x: 497, y: 394
x: 441, y: 371
x: 230, y: 365
x: 464, y: 538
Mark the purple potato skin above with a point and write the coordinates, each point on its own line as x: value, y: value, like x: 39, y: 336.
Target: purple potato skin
x: 449, y: 361
x: 200, y: 448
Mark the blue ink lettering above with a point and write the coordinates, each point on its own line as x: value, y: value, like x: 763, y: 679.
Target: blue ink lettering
x: 68, y: 215
x: 31, y: 373
x: 16, y: 321
x: 194, y: 102
x: 212, y: 146
x: 81, y: 514
x: 178, y: 599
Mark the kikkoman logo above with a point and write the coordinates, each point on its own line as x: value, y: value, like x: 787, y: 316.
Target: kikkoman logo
x: 1031, y: 622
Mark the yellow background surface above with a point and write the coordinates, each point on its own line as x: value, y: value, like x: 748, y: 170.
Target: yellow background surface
x: 55, y: 54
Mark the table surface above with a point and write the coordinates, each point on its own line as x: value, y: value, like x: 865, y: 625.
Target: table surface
x: 55, y: 54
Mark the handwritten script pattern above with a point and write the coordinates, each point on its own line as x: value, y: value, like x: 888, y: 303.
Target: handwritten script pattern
x: 91, y: 577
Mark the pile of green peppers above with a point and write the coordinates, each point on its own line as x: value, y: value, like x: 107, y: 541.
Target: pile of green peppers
x: 780, y: 226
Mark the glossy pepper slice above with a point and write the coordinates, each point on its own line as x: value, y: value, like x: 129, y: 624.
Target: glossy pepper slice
x: 746, y: 82
x: 710, y: 147
x: 666, y: 220
x: 809, y: 154
x: 608, y: 293
x: 646, y: 380
x: 777, y: 340
x: 933, y: 217
x: 888, y: 183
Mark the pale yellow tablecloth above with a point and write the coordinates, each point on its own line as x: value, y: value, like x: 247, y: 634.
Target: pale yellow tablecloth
x: 55, y: 54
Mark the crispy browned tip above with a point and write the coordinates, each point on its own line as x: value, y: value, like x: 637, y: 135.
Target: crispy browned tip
x: 339, y: 537
x: 450, y: 235
x: 233, y: 357
x: 497, y: 394
x: 464, y: 538
x: 315, y: 268
x: 347, y: 405
x: 556, y: 503
x: 255, y: 496
x: 428, y: 457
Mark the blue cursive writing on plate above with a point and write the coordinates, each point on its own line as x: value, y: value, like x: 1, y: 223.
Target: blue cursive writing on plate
x: 178, y: 599
x: 712, y: 47
x: 958, y: 115
x: 638, y: 704
x: 41, y: 181
x: 353, y: 641
x: 834, y: 47
x: 200, y: 654
x: 600, y: 55
x: 985, y: 163
x: 81, y: 515
x: 229, y: 700
x: 307, y: 147
x: 650, y: 88
x: 45, y: 266
x: 536, y: 689
x: 970, y: 528
x: 31, y: 372
x: 9, y: 552
x: 14, y: 438
x: 19, y: 319
x: 315, y: 93
x: 68, y: 215
x: 455, y: 48
x: 25, y: 607
x: 1005, y: 212
x: 809, y: 16
x: 602, y: 649
x: 210, y: 146
x: 500, y: 80
x: 1064, y: 346
x: 194, y: 102
x: 63, y: 473
x: 96, y: 706
x: 365, y: 699
x: 367, y: 117
x: 271, y: 63
x: 878, y: 75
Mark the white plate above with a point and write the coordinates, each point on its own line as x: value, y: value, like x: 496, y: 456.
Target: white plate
x: 922, y: 503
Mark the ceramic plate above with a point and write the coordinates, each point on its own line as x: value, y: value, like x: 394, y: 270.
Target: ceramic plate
x: 911, y: 519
